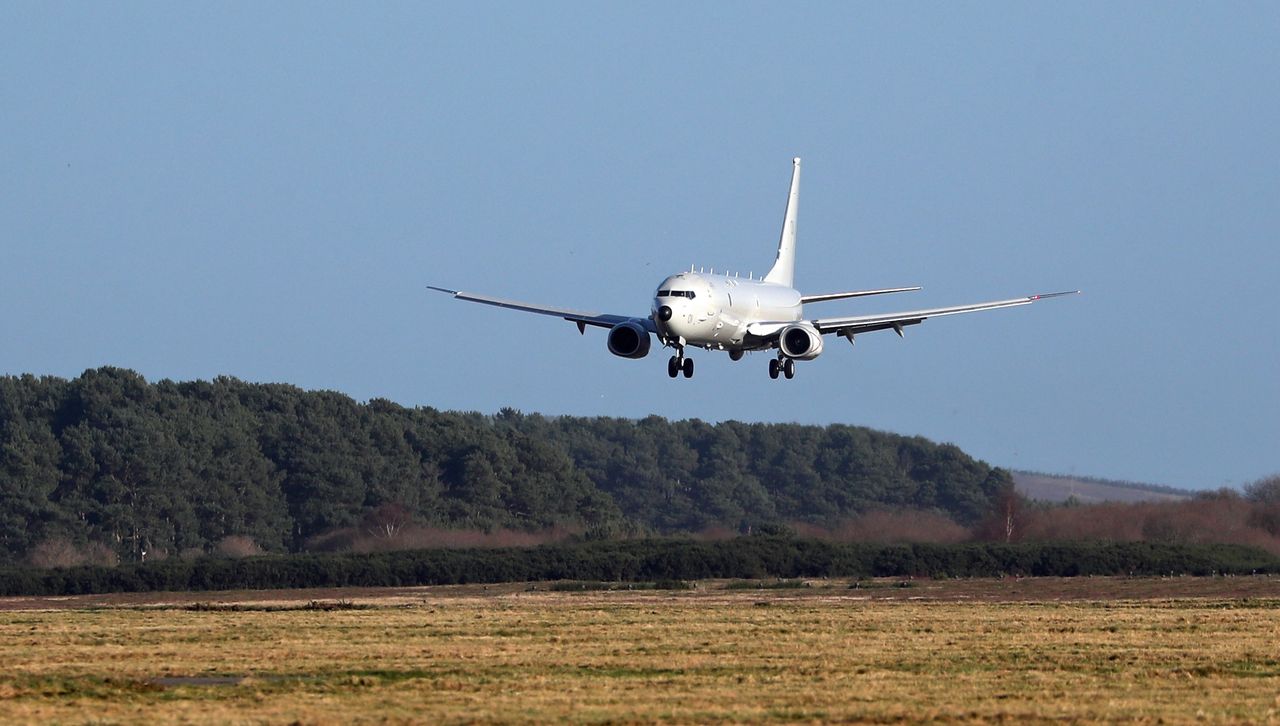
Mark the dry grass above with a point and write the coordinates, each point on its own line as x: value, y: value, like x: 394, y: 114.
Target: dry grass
x: 823, y: 653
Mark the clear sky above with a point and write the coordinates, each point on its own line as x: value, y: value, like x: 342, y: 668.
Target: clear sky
x: 264, y: 190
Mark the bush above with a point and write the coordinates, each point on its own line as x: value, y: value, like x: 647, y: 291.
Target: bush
x: 649, y: 561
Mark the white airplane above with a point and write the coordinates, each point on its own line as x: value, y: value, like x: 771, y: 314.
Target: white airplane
x: 725, y: 312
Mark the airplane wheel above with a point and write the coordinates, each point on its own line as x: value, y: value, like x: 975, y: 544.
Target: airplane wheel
x: 688, y: 368
x: 735, y: 355
x: 673, y: 367
x: 773, y: 367
x: 789, y: 369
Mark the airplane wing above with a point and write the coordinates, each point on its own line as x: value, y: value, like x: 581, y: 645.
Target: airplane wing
x: 582, y: 318
x: 850, y: 326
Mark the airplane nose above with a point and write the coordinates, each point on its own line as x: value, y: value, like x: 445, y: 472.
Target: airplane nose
x: 664, y: 313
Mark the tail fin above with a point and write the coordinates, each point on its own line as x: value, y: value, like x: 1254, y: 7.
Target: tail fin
x: 783, y: 271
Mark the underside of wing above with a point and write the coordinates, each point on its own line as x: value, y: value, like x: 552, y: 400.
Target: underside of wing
x: 581, y: 317
x: 852, y: 325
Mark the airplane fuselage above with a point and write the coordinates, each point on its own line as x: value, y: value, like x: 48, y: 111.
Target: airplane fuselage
x: 714, y: 311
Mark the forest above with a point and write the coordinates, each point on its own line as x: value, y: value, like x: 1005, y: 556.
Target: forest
x: 109, y: 468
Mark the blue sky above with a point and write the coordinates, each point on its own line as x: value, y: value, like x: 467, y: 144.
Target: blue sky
x: 265, y: 190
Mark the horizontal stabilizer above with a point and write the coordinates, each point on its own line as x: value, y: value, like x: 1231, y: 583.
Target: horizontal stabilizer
x: 856, y: 293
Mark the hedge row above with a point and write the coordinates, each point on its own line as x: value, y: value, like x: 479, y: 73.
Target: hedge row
x: 644, y: 560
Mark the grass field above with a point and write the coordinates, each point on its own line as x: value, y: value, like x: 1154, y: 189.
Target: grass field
x: 1086, y: 649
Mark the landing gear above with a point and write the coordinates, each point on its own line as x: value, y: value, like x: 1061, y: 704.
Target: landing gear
x: 679, y: 364
x: 735, y: 354
x: 785, y: 366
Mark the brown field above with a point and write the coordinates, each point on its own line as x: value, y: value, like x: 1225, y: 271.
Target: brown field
x: 1084, y: 649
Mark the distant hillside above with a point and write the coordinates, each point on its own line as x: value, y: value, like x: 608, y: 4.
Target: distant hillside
x: 1089, y: 490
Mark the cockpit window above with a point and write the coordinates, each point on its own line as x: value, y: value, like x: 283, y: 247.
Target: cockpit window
x: 676, y: 293
x: 664, y: 293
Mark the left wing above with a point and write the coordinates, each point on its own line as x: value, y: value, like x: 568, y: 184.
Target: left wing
x: 580, y: 317
x: 849, y: 326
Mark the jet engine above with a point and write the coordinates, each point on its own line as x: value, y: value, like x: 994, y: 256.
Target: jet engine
x: 800, y: 341
x: 629, y: 340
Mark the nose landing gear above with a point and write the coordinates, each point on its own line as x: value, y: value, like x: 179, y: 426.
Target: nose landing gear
x: 785, y: 366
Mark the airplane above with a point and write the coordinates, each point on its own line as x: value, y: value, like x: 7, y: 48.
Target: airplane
x: 728, y: 313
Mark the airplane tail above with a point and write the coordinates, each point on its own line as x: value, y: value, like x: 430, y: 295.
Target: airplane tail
x: 783, y: 270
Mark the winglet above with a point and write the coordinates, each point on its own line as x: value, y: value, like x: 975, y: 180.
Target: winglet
x: 1047, y: 295
x: 783, y: 271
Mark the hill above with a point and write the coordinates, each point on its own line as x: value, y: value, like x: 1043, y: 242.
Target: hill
x: 1088, y: 490
x: 109, y: 467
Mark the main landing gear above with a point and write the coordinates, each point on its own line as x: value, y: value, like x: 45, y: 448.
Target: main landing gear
x: 785, y: 366
x: 679, y: 364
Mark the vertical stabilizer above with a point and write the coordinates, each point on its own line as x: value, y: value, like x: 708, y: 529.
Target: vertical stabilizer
x: 783, y: 271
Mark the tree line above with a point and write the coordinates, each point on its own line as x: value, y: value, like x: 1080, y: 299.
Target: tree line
x: 649, y: 560
x: 109, y: 467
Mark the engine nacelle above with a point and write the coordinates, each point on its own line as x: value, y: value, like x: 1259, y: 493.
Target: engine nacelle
x: 800, y: 342
x: 629, y: 340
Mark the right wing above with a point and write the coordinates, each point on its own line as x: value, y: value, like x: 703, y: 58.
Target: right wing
x: 580, y: 317
x: 849, y: 326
